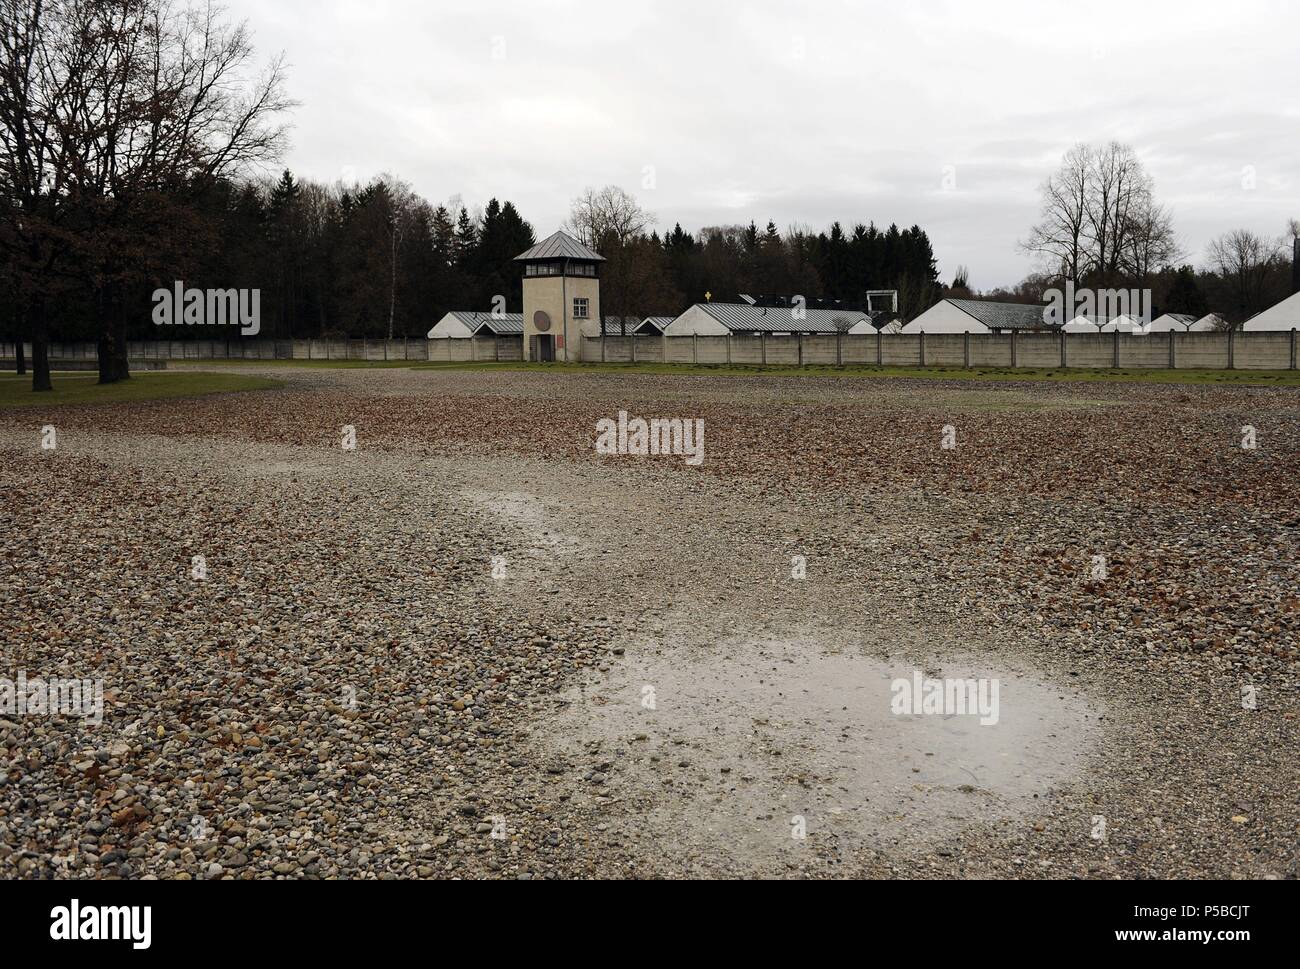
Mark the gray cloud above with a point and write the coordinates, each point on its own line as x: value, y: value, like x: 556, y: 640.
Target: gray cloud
x: 763, y: 111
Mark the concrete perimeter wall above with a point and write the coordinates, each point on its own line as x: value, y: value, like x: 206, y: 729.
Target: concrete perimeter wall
x: 477, y: 348
x: 1163, y: 351
x: 1182, y: 351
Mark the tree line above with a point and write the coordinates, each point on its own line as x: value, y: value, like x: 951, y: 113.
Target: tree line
x: 647, y: 274
x: 133, y: 135
x: 362, y: 261
x: 377, y: 260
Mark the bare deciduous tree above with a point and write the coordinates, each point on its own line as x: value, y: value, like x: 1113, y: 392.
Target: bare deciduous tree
x: 111, y: 112
x: 597, y: 216
x: 1059, y: 237
x: 1100, y: 221
x: 34, y: 204
x: 1117, y: 187
x: 612, y: 222
x: 1149, y: 244
x: 1245, y: 261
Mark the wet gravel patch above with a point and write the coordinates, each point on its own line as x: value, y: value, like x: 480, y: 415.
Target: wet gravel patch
x: 405, y: 660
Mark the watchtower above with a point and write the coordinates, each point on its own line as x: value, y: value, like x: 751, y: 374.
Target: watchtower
x: 561, y: 297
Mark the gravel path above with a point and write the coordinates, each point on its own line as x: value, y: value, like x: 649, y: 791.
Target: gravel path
x: 430, y: 656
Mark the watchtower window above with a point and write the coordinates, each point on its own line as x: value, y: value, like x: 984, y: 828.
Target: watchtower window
x: 580, y: 308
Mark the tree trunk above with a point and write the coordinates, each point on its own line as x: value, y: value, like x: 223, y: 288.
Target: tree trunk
x: 121, y: 366
x: 40, y: 351
x: 20, y: 334
x: 112, y: 340
x: 104, y: 353
x: 104, y: 346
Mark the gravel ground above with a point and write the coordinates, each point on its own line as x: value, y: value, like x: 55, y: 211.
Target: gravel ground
x: 429, y: 657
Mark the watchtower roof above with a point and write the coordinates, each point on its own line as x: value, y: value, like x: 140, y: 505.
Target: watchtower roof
x: 561, y: 245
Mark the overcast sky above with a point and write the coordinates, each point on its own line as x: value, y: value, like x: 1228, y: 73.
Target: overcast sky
x: 848, y: 110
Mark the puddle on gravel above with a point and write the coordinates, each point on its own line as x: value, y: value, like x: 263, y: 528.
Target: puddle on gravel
x: 748, y: 736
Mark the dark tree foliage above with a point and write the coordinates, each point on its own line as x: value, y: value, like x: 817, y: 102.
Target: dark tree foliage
x: 1185, y: 294
x: 335, y: 261
x: 834, y: 265
x: 329, y: 261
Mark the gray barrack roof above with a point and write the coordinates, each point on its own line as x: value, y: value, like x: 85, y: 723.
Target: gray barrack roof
x: 502, y: 325
x: 742, y: 317
x: 1003, y: 316
x: 561, y: 245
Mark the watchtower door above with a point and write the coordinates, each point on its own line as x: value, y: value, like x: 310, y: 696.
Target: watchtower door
x: 543, y: 348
